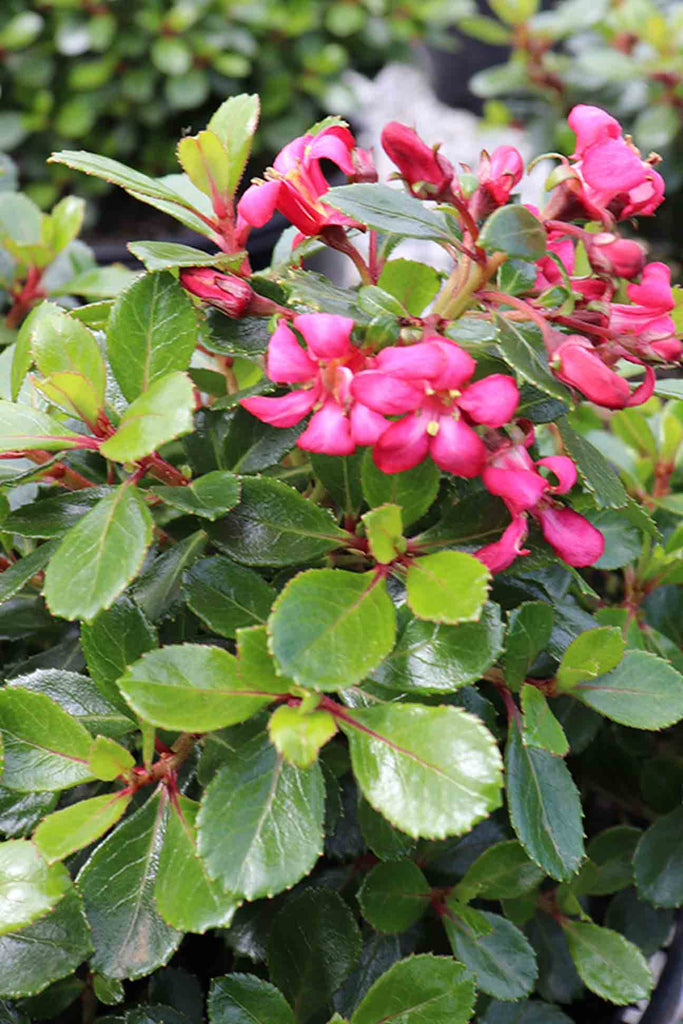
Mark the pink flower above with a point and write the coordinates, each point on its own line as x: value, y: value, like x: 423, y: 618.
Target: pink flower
x: 498, y: 174
x: 230, y: 294
x: 427, y: 174
x: 295, y: 183
x: 511, y: 474
x: 619, y: 257
x: 501, y: 553
x: 591, y: 125
x: 577, y: 363
x: 646, y: 325
x: 428, y: 382
x: 572, y: 537
x: 325, y: 368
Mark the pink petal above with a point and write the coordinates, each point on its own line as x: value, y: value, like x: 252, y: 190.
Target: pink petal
x: 282, y: 412
x: 328, y: 431
x: 459, y: 366
x: 502, y: 553
x: 571, y: 536
x: 583, y: 368
x: 327, y: 335
x: 287, y: 362
x: 331, y: 147
x: 403, y: 444
x: 613, y: 167
x: 520, y: 489
x: 299, y: 210
x: 591, y: 125
x: 506, y: 160
x: 457, y: 449
x: 654, y: 289
x: 563, y: 468
x: 492, y: 400
x: 388, y: 395
x: 292, y: 154
x: 258, y: 203
x: 413, y: 362
x: 366, y: 426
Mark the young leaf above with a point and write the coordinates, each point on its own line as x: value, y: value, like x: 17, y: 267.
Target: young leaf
x: 501, y: 872
x: 99, y: 556
x: 246, y: 999
x: 210, y: 496
x: 529, y: 629
x: 25, y: 429
x: 170, y: 255
x: 257, y: 806
x: 185, y: 895
x: 449, y: 586
x: 608, y: 964
x: 394, y: 896
x: 205, y: 160
x: 191, y: 688
x: 61, y: 343
x: 514, y: 229
x: 316, y: 621
x: 117, y: 885
x: 160, y: 414
x: 658, y: 861
x: 384, y: 530
x: 413, y: 284
x: 414, y: 490
x: 432, y: 771
x: 227, y: 596
x: 493, y: 949
x: 423, y: 989
x: 62, y: 833
x: 298, y: 736
x: 544, y: 806
x: 595, y: 472
x: 112, y: 641
x: 388, y: 209
x: 590, y: 655
x: 45, y: 748
x: 29, y: 887
x: 541, y: 728
x: 108, y: 759
x: 235, y: 124
x: 643, y: 691
x: 152, y: 331
x: 521, y: 346
x: 314, y: 943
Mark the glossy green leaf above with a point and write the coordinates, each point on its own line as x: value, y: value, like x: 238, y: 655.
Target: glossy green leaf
x: 422, y: 989
x: 255, y: 664
x: 413, y: 490
x: 385, y: 841
x: 432, y: 771
x: 235, y: 123
x: 152, y: 331
x: 62, y: 833
x: 59, y: 343
x: 226, y: 595
x: 29, y: 886
x: 158, y: 590
x: 394, y: 896
x: 526, y: 1012
x: 493, y: 949
x: 643, y: 691
x: 25, y: 429
x: 191, y: 688
x: 45, y: 748
x: 529, y: 629
x: 53, y: 516
x: 112, y: 641
x: 541, y: 728
x: 78, y: 695
x: 658, y: 861
x: 388, y: 209
x: 169, y: 255
x: 521, y: 346
x: 109, y: 759
x: 298, y: 736
x: 590, y: 655
x: 501, y: 872
x: 413, y: 284
x: 610, y: 864
x: 341, y: 476
x: 117, y: 885
x: 544, y: 806
x: 20, y: 812
x: 160, y: 414
x: 449, y: 586
x: 595, y: 471
x: 15, y: 578
x: 274, y: 525
x: 246, y: 999
x: 260, y: 822
x: 384, y: 531
x: 187, y: 898
x: 99, y: 556
x: 514, y: 229
x: 315, y: 623
x: 608, y: 964
x: 210, y: 496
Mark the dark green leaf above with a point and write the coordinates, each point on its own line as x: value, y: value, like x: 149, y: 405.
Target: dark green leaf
x: 414, y: 490
x: 526, y: 1012
x: 387, y: 209
x: 608, y: 964
x: 80, y: 697
x: 643, y: 691
x: 394, y: 896
x: 658, y: 861
x: 341, y: 476
x: 610, y: 864
x: 112, y: 641
x: 647, y: 926
x: 594, y: 470
x: 385, y: 841
x: 210, y: 496
x: 420, y: 990
x: 493, y: 949
x: 501, y: 872
x: 14, y: 578
x: 249, y: 336
x: 514, y: 229
x: 521, y: 345
x: 227, y: 596
x: 158, y: 590
x: 470, y: 522
x: 20, y: 812
x: 251, y: 445
x: 529, y: 629
x: 54, y: 515
x: 45, y: 748
x: 246, y: 999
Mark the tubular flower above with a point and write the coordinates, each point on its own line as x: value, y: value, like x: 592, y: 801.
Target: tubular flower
x: 325, y: 369
x: 427, y: 174
x: 511, y: 474
x: 498, y: 174
x: 232, y: 295
x: 647, y: 321
x: 295, y: 184
x: 577, y: 363
x: 502, y: 553
x: 426, y: 384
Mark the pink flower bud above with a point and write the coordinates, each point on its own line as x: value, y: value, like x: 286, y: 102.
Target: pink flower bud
x: 232, y: 295
x: 363, y: 165
x: 591, y: 125
x: 425, y: 171
x: 571, y: 536
x: 576, y: 363
x: 619, y: 257
x: 502, y: 553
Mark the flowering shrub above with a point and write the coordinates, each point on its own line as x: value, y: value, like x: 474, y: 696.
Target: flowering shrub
x: 291, y: 600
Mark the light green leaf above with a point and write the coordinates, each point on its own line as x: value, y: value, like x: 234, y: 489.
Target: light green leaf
x: 160, y: 414
x: 422, y: 989
x: 205, y: 160
x: 235, y: 124
x: 169, y: 255
x: 413, y: 284
x: 79, y: 697
x: 29, y: 887
x: 541, y: 728
x: 299, y: 736
x: 394, y: 896
x: 62, y: 833
x: 384, y: 530
x: 25, y: 429
x: 644, y: 692
x: 108, y: 759
x: 60, y: 343
x: 608, y: 964
x: 514, y: 229
x: 226, y: 595
x: 255, y: 663
x: 591, y: 654
x: 210, y: 496
x: 449, y: 586
x: 246, y: 999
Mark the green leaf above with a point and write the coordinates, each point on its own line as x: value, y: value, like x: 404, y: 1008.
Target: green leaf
x: 274, y: 526
x: 170, y: 255
x: 658, y: 861
x: 53, y: 516
x: 502, y: 872
x: 388, y: 209
x: 117, y: 885
x: 414, y: 490
x: 160, y: 414
x: 45, y: 748
x: 413, y: 284
x: 516, y: 277
x: 246, y: 999
x: 591, y: 654
x: 185, y: 895
x: 255, y: 664
x: 610, y: 864
x: 544, y: 806
x: 251, y: 445
x: 51, y: 948
x: 29, y: 887
x: 152, y: 331
x: 377, y: 303
x: 514, y: 12
x: 112, y: 641
x: 432, y: 658
x: 384, y: 531
x: 158, y: 590
x: 14, y: 578
x: 594, y: 470
x: 432, y: 771
x: 526, y: 1012
x: 316, y: 621
x: 60, y: 343
x: 20, y: 812
x: 210, y: 496
x: 608, y: 964
x: 25, y: 429
x: 423, y: 989
x: 62, y: 833
x: 541, y: 728
x: 298, y: 736
x: 341, y: 476
x: 314, y: 943
x: 521, y: 346
x: 644, y: 692
x: 191, y: 688
x: 514, y: 229
x: 529, y: 629
x: 256, y: 807
x: 205, y: 160
x: 227, y: 596
x: 449, y: 586
x: 493, y: 949
x: 235, y: 124
x: 99, y: 556
x: 394, y: 896
x: 108, y: 990
x: 78, y: 695
x: 385, y: 841
x: 109, y: 759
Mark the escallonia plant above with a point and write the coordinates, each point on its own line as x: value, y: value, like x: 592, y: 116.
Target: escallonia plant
x: 330, y: 629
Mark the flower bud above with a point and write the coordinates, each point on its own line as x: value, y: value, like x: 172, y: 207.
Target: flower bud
x: 619, y: 257
x: 425, y: 171
x: 231, y: 294
x: 571, y: 536
x: 363, y: 166
x: 577, y: 363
